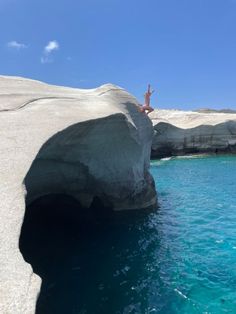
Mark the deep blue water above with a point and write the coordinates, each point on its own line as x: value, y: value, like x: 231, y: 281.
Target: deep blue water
x: 181, y: 259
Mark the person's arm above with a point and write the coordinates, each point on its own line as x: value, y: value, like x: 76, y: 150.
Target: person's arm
x: 149, y: 90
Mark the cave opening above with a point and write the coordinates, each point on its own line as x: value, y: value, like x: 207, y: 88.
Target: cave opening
x: 56, y: 238
x: 88, y: 259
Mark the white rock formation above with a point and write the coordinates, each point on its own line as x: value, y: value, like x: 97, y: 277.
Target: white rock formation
x: 186, y: 132
x: 83, y: 143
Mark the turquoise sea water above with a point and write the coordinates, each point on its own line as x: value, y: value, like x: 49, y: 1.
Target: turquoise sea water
x: 179, y: 259
x: 197, y: 233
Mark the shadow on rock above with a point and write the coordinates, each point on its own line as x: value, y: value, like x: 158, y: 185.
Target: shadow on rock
x: 90, y: 261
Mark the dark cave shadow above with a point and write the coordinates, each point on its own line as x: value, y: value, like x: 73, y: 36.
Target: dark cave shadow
x: 90, y: 261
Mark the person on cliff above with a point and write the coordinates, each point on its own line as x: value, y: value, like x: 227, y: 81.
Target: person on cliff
x: 147, y: 97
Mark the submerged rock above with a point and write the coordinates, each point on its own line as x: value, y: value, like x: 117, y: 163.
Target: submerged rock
x: 89, y: 144
x: 185, y: 132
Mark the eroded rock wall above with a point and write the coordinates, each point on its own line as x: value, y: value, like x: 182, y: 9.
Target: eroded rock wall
x: 181, y: 132
x: 84, y: 143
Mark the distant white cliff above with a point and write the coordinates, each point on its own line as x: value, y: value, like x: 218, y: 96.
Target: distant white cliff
x: 186, y: 132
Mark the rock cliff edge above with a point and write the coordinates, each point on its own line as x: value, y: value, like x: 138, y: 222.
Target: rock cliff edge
x: 83, y: 143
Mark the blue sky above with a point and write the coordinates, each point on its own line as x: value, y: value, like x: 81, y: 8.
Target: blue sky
x: 185, y: 48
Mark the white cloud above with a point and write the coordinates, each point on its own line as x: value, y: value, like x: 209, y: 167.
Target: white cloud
x: 48, y: 50
x: 15, y: 45
x: 52, y: 45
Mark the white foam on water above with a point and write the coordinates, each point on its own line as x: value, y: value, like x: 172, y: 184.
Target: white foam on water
x: 153, y: 310
x: 160, y: 161
x: 166, y: 158
x: 181, y: 294
x: 192, y: 156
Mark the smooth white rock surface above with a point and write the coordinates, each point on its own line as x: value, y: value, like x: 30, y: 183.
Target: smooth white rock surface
x: 86, y: 143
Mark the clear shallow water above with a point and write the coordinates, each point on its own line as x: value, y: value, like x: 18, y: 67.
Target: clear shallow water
x: 180, y: 259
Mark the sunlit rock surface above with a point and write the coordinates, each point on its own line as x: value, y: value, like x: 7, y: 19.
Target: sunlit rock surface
x: 185, y: 132
x: 84, y: 143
